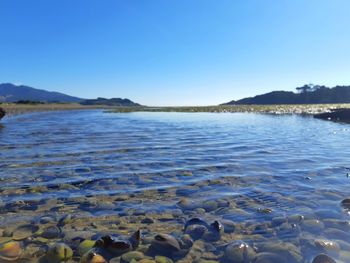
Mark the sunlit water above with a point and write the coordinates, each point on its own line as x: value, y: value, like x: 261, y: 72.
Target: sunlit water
x: 255, y: 168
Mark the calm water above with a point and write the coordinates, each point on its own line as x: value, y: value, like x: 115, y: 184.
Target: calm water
x: 238, y: 167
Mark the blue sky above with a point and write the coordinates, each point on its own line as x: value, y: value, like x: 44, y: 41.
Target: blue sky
x: 174, y: 52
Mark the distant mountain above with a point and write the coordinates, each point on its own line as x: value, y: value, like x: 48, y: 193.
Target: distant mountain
x: 110, y: 102
x: 307, y: 94
x: 13, y: 93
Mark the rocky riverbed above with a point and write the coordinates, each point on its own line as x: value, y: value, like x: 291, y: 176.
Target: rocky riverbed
x: 234, y: 229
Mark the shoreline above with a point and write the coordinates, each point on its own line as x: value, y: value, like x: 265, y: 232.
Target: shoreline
x: 13, y: 109
x: 278, y: 109
x: 298, y: 109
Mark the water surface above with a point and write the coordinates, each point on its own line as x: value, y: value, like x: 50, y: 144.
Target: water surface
x: 249, y: 169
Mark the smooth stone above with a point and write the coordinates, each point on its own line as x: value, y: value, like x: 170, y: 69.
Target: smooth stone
x: 146, y: 260
x: 77, y: 235
x: 334, y: 233
x: 164, y: 244
x: 267, y: 257
x: 239, y: 252
x: 129, y: 256
x: 229, y: 226
x: 186, y: 204
x: 186, y: 241
x: 209, y: 206
x: 23, y: 232
x: 322, y: 258
x: 295, y: 219
x: 10, y: 251
x: 287, y: 250
x: 162, y: 259
x: 277, y: 221
x: 327, y: 245
x: 343, y: 225
x: 312, y: 225
x: 46, y: 220
x: 85, y: 246
x: 59, y: 252
x: 196, y: 231
x: 327, y: 214
x: 93, y: 257
x: 33, y: 250
x: 51, y: 232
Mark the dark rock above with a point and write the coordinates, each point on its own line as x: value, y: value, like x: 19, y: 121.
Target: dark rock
x: 2, y: 113
x: 322, y: 258
x: 346, y: 203
x: 341, y: 115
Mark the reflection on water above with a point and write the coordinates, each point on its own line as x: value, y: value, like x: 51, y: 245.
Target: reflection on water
x: 258, y: 188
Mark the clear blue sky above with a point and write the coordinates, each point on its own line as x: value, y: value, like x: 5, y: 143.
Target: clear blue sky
x: 174, y: 52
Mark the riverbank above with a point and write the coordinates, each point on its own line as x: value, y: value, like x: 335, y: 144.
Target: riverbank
x: 302, y: 109
x: 15, y: 109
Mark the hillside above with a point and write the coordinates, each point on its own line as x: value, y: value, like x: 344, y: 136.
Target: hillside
x: 307, y: 94
x: 12, y: 93
x: 110, y: 102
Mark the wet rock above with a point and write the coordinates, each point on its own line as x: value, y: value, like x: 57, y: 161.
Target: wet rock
x: 277, y: 221
x: 312, y: 226
x: 162, y: 259
x: 229, y: 226
x: 132, y: 255
x: 342, y: 115
x: 346, y: 203
x: 196, y: 231
x: 295, y: 219
x: 209, y: 206
x: 46, y: 220
x: 198, y: 228
x: 322, y: 258
x: 284, y: 249
x: 147, y: 220
x: 93, y: 257
x: 66, y: 219
x: 117, y: 247
x: 2, y: 113
x: 327, y: 245
x: 33, y: 250
x: 239, y: 252
x: 59, y: 252
x: 264, y: 210
x: 186, y: 242
x: 339, y: 224
x: 10, y: 251
x: 24, y: 231
x: 186, y: 204
x: 287, y: 230
x: 77, y: 235
x: 146, y: 260
x: 85, y: 246
x: 267, y: 257
x: 334, y: 233
x: 164, y: 245
x: 327, y: 214
x: 51, y: 232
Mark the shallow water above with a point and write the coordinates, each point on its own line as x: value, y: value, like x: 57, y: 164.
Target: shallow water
x: 258, y: 172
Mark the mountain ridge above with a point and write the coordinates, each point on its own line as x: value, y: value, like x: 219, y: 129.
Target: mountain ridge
x: 307, y: 94
x: 13, y: 93
x: 29, y: 95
